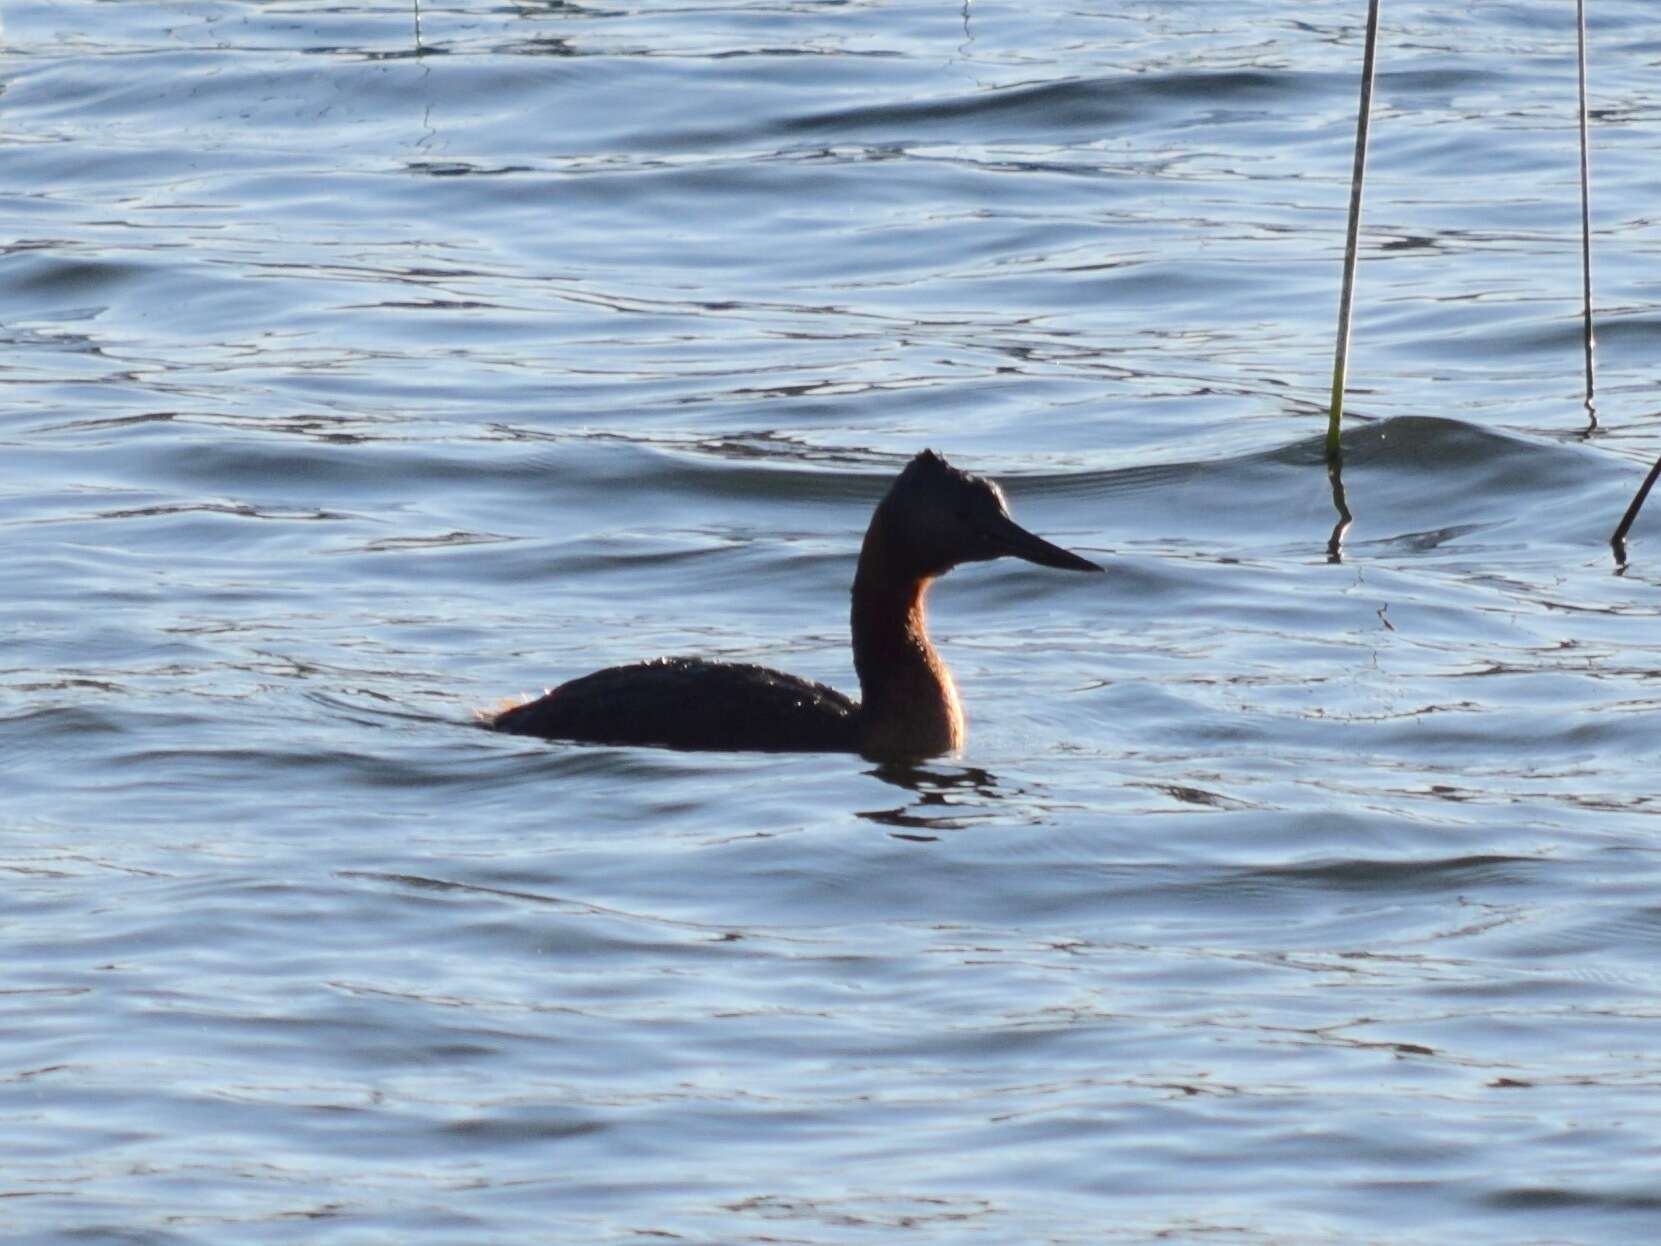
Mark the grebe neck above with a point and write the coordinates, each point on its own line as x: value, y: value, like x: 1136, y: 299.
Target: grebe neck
x: 909, y: 706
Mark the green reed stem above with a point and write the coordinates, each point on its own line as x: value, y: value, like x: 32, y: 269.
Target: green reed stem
x: 1585, y: 210
x: 1358, y: 177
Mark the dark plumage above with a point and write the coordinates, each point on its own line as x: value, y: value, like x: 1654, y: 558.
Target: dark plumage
x: 932, y: 518
x: 692, y: 703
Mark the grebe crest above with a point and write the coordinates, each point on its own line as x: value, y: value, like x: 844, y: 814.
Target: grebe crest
x: 936, y: 517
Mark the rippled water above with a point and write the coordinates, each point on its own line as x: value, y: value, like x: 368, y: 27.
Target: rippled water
x: 364, y: 367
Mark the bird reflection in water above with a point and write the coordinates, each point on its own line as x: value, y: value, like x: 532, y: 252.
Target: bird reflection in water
x: 948, y: 799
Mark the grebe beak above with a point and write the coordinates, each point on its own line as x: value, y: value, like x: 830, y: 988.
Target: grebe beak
x: 1011, y: 538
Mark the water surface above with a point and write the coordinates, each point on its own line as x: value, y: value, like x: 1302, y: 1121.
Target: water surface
x: 366, y: 367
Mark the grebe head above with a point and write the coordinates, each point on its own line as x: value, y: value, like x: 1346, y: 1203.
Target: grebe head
x: 938, y: 517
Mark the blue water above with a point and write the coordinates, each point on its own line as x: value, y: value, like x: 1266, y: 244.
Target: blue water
x: 365, y: 367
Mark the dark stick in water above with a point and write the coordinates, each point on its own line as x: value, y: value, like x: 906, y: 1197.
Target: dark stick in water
x: 1618, y: 541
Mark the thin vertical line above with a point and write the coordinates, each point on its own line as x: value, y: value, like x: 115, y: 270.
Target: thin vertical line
x: 1346, y: 299
x: 1585, y: 212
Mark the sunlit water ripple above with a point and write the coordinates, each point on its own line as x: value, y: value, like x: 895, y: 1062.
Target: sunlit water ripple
x: 365, y: 367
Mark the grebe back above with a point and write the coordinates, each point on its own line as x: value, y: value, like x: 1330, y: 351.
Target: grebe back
x: 933, y: 518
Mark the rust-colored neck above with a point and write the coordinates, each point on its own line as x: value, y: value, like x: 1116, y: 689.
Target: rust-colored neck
x: 909, y: 707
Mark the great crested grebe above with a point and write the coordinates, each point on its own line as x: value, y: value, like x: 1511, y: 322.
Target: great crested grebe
x: 932, y: 518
